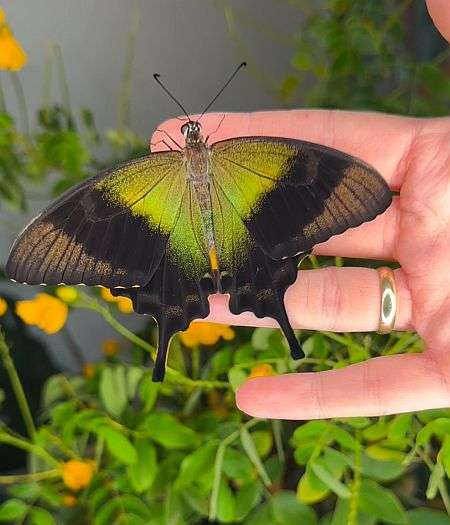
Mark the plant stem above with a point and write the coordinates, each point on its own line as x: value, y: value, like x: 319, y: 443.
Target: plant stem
x: 63, y: 83
x: 36, y: 476
x: 18, y: 442
x: 21, y: 102
x: 123, y: 106
x: 11, y: 370
x: 344, y: 340
x: 218, y: 463
x: 405, y: 340
x: 2, y: 98
x: 356, y: 486
x: 172, y: 375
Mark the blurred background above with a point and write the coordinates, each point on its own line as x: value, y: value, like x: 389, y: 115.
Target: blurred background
x: 77, y: 95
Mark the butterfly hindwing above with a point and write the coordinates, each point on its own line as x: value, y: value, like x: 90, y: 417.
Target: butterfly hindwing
x: 293, y: 194
x: 255, y: 282
x: 178, y: 291
x: 110, y: 230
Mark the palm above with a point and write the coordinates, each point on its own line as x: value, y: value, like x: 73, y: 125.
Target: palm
x: 423, y: 239
x: 413, y: 156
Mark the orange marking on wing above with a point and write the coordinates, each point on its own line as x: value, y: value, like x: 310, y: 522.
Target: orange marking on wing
x: 213, y: 259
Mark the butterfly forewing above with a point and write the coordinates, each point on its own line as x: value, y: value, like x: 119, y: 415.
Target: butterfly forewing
x: 292, y: 194
x: 110, y: 230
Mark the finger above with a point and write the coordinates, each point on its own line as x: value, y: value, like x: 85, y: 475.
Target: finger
x: 379, y: 386
x: 381, y: 140
x: 334, y: 299
x: 440, y: 13
x: 376, y: 239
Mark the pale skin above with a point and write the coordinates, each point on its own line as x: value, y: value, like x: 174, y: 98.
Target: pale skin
x: 413, y: 155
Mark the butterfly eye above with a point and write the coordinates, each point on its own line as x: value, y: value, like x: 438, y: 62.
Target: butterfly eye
x: 185, y: 128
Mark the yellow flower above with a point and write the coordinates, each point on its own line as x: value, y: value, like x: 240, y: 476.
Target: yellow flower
x: 262, y: 370
x: 69, y: 500
x: 45, y: 311
x: 88, y: 370
x: 110, y: 347
x: 124, y: 304
x: 205, y: 334
x: 12, y: 55
x: 77, y: 474
x: 3, y: 306
x: 68, y: 294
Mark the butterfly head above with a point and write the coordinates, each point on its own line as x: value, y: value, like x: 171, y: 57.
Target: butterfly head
x: 192, y: 132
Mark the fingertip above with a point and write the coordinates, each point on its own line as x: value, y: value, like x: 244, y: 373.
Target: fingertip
x: 259, y: 397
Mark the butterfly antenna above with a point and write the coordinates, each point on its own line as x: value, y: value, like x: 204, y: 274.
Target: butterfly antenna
x: 156, y: 77
x: 240, y: 66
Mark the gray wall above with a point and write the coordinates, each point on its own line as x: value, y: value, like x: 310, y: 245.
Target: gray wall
x: 187, y: 41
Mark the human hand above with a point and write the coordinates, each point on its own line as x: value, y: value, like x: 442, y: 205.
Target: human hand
x: 414, y: 157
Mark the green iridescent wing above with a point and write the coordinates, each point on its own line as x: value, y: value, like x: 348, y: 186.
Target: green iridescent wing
x: 274, y: 199
x: 135, y: 229
x: 293, y: 194
x: 105, y: 231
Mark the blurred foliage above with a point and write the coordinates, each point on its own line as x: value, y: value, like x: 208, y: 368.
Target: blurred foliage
x: 109, y: 446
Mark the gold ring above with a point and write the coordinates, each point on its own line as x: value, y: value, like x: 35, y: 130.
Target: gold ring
x: 389, y: 305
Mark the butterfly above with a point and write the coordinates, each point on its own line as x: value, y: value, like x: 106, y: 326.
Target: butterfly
x: 170, y: 228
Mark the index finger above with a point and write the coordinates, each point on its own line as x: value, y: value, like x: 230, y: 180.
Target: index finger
x: 381, y: 140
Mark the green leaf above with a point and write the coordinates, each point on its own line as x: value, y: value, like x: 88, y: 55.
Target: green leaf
x: 381, y: 470
x: 316, y: 345
x: 428, y: 517
x: 237, y: 466
x: 196, y: 464
x: 148, y: 392
x: 399, y: 426
x: 134, y: 375
x: 113, y: 389
x: 40, y: 516
x: 356, y: 422
x: 222, y: 360
x: 169, y: 432
x: 340, y: 514
x: 261, y: 338
x: 440, y: 427
x: 143, y: 472
x: 376, y: 431
x: 344, y: 438
x: 287, y: 510
x: 99, y: 496
x: 250, y: 448
x: 310, y: 489
x: 196, y: 500
x: 236, y: 377
x: 27, y: 491
x: 13, y: 509
x: 381, y: 502
x: 247, y: 497
x: 263, y: 442
x: 52, y: 390
x: 310, y: 431
x: 106, y: 513
x: 226, y: 503
x: 303, y: 452
x: 119, y: 445
x: 329, y: 479
x: 132, y: 504
x: 262, y: 515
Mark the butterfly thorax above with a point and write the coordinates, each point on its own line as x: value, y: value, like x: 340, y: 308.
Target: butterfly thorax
x: 198, y: 170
